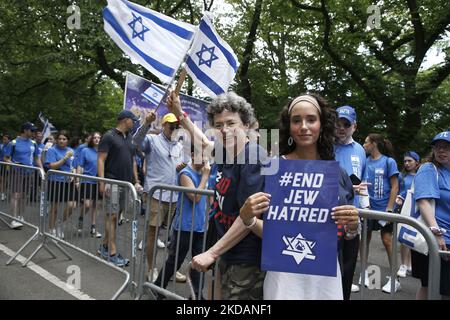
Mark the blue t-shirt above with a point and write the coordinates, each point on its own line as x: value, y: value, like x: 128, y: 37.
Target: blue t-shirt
x: 429, y: 184
x: 200, y: 207
x: 405, y: 181
x: 77, y: 154
x: 352, y: 157
x: 22, y: 151
x: 54, y: 154
x: 88, y: 161
x: 40, y: 147
x: 379, y: 173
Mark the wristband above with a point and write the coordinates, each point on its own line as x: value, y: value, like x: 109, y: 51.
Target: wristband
x: 251, y: 224
x: 182, y: 116
x: 389, y: 210
x: 438, y: 231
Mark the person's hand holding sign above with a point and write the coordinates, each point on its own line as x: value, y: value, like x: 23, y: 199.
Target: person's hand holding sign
x: 254, y: 206
x: 346, y: 215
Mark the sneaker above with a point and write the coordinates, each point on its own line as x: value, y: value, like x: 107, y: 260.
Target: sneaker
x: 118, y: 260
x: 15, y: 224
x: 402, y: 271
x: 160, y: 244
x: 103, y: 251
x: 121, y: 219
x: 80, y: 224
x: 21, y: 218
x: 60, y: 234
x: 409, y: 271
x: 355, y: 288
x: 3, y: 197
x: 53, y: 232
x: 179, y: 277
x: 387, y: 286
x: 95, y: 234
x: 152, y: 275
x: 140, y: 245
x: 366, y: 280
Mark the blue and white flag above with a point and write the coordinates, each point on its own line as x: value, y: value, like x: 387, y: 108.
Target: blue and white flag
x: 48, y: 127
x: 154, y: 94
x: 157, y: 42
x: 211, y: 61
x: 299, y: 235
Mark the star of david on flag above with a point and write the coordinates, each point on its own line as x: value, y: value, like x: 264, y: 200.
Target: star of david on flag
x: 155, y: 41
x: 154, y: 94
x: 211, y: 62
x: 133, y: 26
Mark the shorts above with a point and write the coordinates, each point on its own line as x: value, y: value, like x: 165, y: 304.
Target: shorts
x: 61, y: 191
x: 420, y: 271
x: 374, y: 225
x: 157, y: 217
x: 115, y: 199
x: 89, y: 191
x: 241, y: 281
x: 20, y: 182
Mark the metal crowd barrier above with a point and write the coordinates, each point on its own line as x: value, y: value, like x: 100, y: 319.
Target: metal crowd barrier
x: 433, y: 250
x: 69, y: 207
x: 21, y: 191
x: 148, y: 287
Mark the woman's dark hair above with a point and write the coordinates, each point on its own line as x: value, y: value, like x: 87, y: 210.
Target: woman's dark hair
x: 90, y: 142
x: 383, y: 144
x: 327, y: 136
x: 407, y: 154
x: 62, y: 133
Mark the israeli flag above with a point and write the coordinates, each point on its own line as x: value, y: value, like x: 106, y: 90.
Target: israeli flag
x: 48, y: 127
x: 154, y: 94
x: 157, y: 42
x: 211, y: 61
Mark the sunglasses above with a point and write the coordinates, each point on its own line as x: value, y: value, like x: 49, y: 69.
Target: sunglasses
x: 174, y: 126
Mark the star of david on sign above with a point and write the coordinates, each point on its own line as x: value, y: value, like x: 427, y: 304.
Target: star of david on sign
x: 299, y: 248
x: 206, y: 50
x: 132, y: 25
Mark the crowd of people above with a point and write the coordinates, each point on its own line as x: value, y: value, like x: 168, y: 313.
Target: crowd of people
x: 309, y: 130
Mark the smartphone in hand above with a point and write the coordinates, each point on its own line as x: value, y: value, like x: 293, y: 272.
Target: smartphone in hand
x: 355, y: 180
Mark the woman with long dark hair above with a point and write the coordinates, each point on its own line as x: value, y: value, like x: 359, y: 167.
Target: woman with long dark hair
x: 307, y: 132
x: 382, y: 176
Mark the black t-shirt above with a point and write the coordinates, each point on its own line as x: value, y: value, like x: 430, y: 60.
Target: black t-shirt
x: 119, y: 161
x: 233, y: 185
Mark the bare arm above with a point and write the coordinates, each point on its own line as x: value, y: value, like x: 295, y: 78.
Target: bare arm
x: 394, y: 191
x: 426, y: 208
x: 185, y: 181
x: 174, y: 106
x: 101, y: 157
x: 233, y: 236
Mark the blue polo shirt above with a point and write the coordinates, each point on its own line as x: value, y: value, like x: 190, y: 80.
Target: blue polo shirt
x: 88, y: 161
x: 54, y: 154
x: 22, y: 151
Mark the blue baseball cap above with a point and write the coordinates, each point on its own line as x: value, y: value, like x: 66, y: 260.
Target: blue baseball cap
x: 444, y: 136
x: 347, y: 112
x: 127, y: 114
x: 413, y: 155
x: 29, y: 126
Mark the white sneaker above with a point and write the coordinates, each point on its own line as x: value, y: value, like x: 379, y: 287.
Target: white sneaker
x: 3, y: 197
x: 153, y: 275
x: 160, y: 244
x: 387, y: 286
x: 140, y: 245
x: 179, y: 277
x: 402, y: 271
x: 366, y: 280
x: 15, y: 224
x: 355, y: 288
x: 21, y: 218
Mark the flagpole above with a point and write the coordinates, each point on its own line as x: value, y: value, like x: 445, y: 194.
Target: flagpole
x: 170, y: 84
x: 181, y: 80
